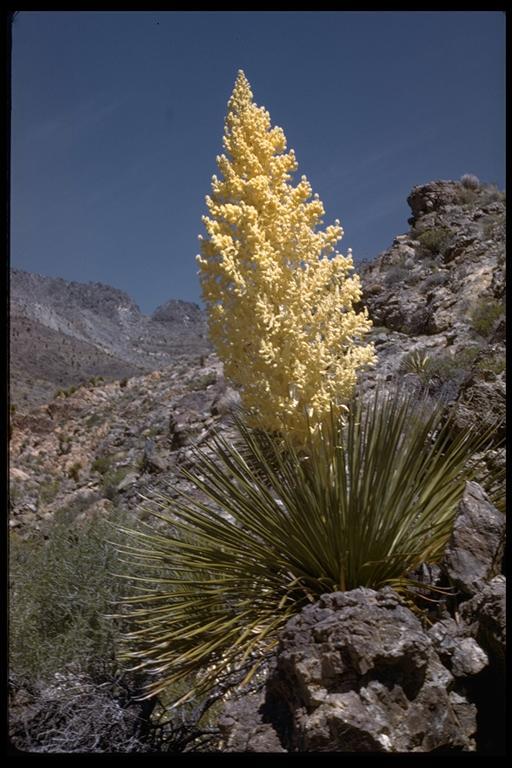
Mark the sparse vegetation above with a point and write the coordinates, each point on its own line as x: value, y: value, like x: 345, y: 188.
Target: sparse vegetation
x: 65, y: 392
x: 93, y: 420
x: 111, y: 480
x: 484, y: 315
x: 202, y: 382
x: 437, y: 278
x: 470, y: 181
x: 435, y: 239
x: 453, y: 367
x: 495, y: 362
x: 101, y: 464
x: 396, y: 275
x: 64, y: 444
x: 48, y: 491
x: 96, y: 381
x: 490, y: 223
x: 74, y: 471
x: 417, y: 362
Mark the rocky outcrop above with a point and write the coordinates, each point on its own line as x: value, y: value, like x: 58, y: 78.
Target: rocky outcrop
x: 475, y: 552
x: 485, y: 616
x: 356, y: 672
x: 436, y: 298
x: 441, y: 285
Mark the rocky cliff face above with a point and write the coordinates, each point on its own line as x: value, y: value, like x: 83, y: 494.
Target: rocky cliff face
x: 437, y: 296
x: 63, y: 333
x: 437, y: 301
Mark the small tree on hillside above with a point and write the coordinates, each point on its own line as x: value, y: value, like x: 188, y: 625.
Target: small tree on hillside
x: 278, y: 294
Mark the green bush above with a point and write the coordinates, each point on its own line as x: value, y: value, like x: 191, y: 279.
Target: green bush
x: 101, y: 464
x: 435, y: 240
x: 60, y: 591
x: 48, y: 491
x: 369, y: 500
x: 74, y: 471
x: 494, y: 362
x: 484, y: 315
x: 453, y: 367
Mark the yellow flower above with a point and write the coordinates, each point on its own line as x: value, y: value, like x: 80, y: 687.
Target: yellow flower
x: 279, y: 295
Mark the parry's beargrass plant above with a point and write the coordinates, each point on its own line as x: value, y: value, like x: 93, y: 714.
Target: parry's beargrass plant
x: 369, y: 499
x: 280, y: 298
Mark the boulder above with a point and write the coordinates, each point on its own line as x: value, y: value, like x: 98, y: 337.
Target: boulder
x: 485, y: 615
x: 242, y: 727
x: 357, y: 673
x: 474, y: 553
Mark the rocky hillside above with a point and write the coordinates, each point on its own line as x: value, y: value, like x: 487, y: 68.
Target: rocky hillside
x: 65, y: 333
x: 437, y: 298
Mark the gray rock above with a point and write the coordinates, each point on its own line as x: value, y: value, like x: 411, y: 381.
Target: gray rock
x: 151, y: 461
x: 485, y: 615
x: 474, y: 553
x: 130, y: 479
x: 358, y: 674
x: 242, y: 727
x: 462, y: 655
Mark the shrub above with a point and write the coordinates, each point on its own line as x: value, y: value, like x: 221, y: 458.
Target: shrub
x: 436, y: 278
x: 60, y: 590
x: 490, y: 224
x: 111, y: 480
x: 485, y: 314
x: 74, y: 471
x: 77, y: 714
x: 396, y: 275
x: 453, y: 367
x: 435, y: 239
x: 48, y: 491
x: 491, y: 194
x: 95, y: 381
x: 495, y: 362
x: 467, y: 196
x: 367, y: 501
x: 470, y: 181
x: 64, y: 444
x: 101, y: 464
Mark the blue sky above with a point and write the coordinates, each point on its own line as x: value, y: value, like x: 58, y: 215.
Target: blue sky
x: 117, y: 118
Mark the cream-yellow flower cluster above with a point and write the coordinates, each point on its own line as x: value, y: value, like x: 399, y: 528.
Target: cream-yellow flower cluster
x: 278, y: 294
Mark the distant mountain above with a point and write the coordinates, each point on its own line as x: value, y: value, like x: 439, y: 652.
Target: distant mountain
x: 64, y: 333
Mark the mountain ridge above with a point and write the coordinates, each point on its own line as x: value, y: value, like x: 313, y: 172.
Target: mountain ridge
x: 101, y: 328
